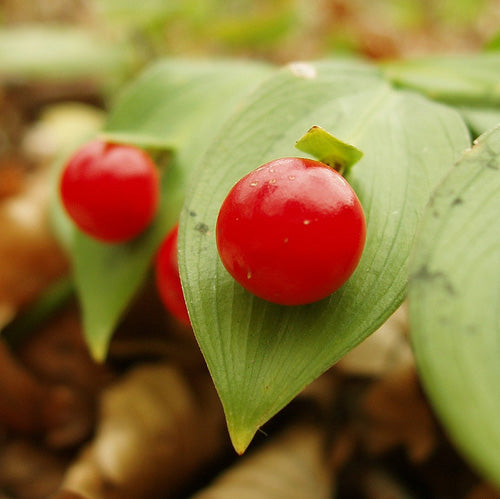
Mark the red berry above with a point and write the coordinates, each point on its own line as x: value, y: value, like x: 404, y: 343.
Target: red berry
x: 292, y: 231
x: 110, y: 191
x: 168, y: 281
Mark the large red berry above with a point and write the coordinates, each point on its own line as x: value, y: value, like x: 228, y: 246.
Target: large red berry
x: 168, y: 281
x: 292, y: 231
x: 110, y: 191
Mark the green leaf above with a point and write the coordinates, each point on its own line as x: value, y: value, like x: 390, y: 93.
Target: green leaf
x: 454, y: 303
x: 181, y: 104
x: 176, y: 105
x: 471, y: 79
x: 108, y: 276
x: 260, y: 354
x: 328, y: 149
x: 57, y: 52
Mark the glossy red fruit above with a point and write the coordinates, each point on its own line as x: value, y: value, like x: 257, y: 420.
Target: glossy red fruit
x: 110, y: 191
x: 292, y: 231
x: 168, y: 281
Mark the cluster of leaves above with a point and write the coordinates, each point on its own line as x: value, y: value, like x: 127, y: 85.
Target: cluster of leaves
x: 218, y: 120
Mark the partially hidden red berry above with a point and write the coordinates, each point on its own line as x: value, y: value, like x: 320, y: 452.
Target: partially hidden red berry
x: 291, y: 232
x: 168, y: 281
x: 110, y: 191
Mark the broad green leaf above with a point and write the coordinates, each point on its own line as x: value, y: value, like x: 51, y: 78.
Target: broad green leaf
x: 455, y: 302
x: 471, y: 79
x: 261, y: 355
x: 178, y: 106
x: 57, y: 52
x: 108, y: 276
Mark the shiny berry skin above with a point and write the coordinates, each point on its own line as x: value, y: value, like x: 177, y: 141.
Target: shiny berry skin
x: 110, y: 191
x: 291, y: 232
x: 168, y: 281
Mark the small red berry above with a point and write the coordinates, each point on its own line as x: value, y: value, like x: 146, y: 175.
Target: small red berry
x: 291, y: 232
x: 110, y: 191
x: 168, y: 281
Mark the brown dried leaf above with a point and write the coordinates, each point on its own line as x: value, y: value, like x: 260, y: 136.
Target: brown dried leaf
x: 58, y: 356
x: 21, y: 395
x: 322, y: 392
x: 483, y: 491
x: 378, y: 484
x: 29, y: 471
x: 11, y: 176
x: 49, y: 386
x: 85, y: 478
x: 291, y: 466
x: 154, y: 432
x: 30, y: 258
x: 66, y: 494
x: 343, y: 448
x: 394, y: 413
x: 58, y: 353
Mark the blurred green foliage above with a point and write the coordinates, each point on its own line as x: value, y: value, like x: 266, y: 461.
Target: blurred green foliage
x: 124, y: 35
x: 57, y: 53
x: 201, y: 27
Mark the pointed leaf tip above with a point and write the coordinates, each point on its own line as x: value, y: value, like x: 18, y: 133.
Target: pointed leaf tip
x: 241, y: 438
x: 98, y: 347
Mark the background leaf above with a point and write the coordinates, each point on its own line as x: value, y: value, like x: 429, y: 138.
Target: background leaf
x: 470, y: 79
x: 469, y: 82
x: 57, y: 52
x: 179, y: 106
x: 260, y: 354
x: 454, y: 303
